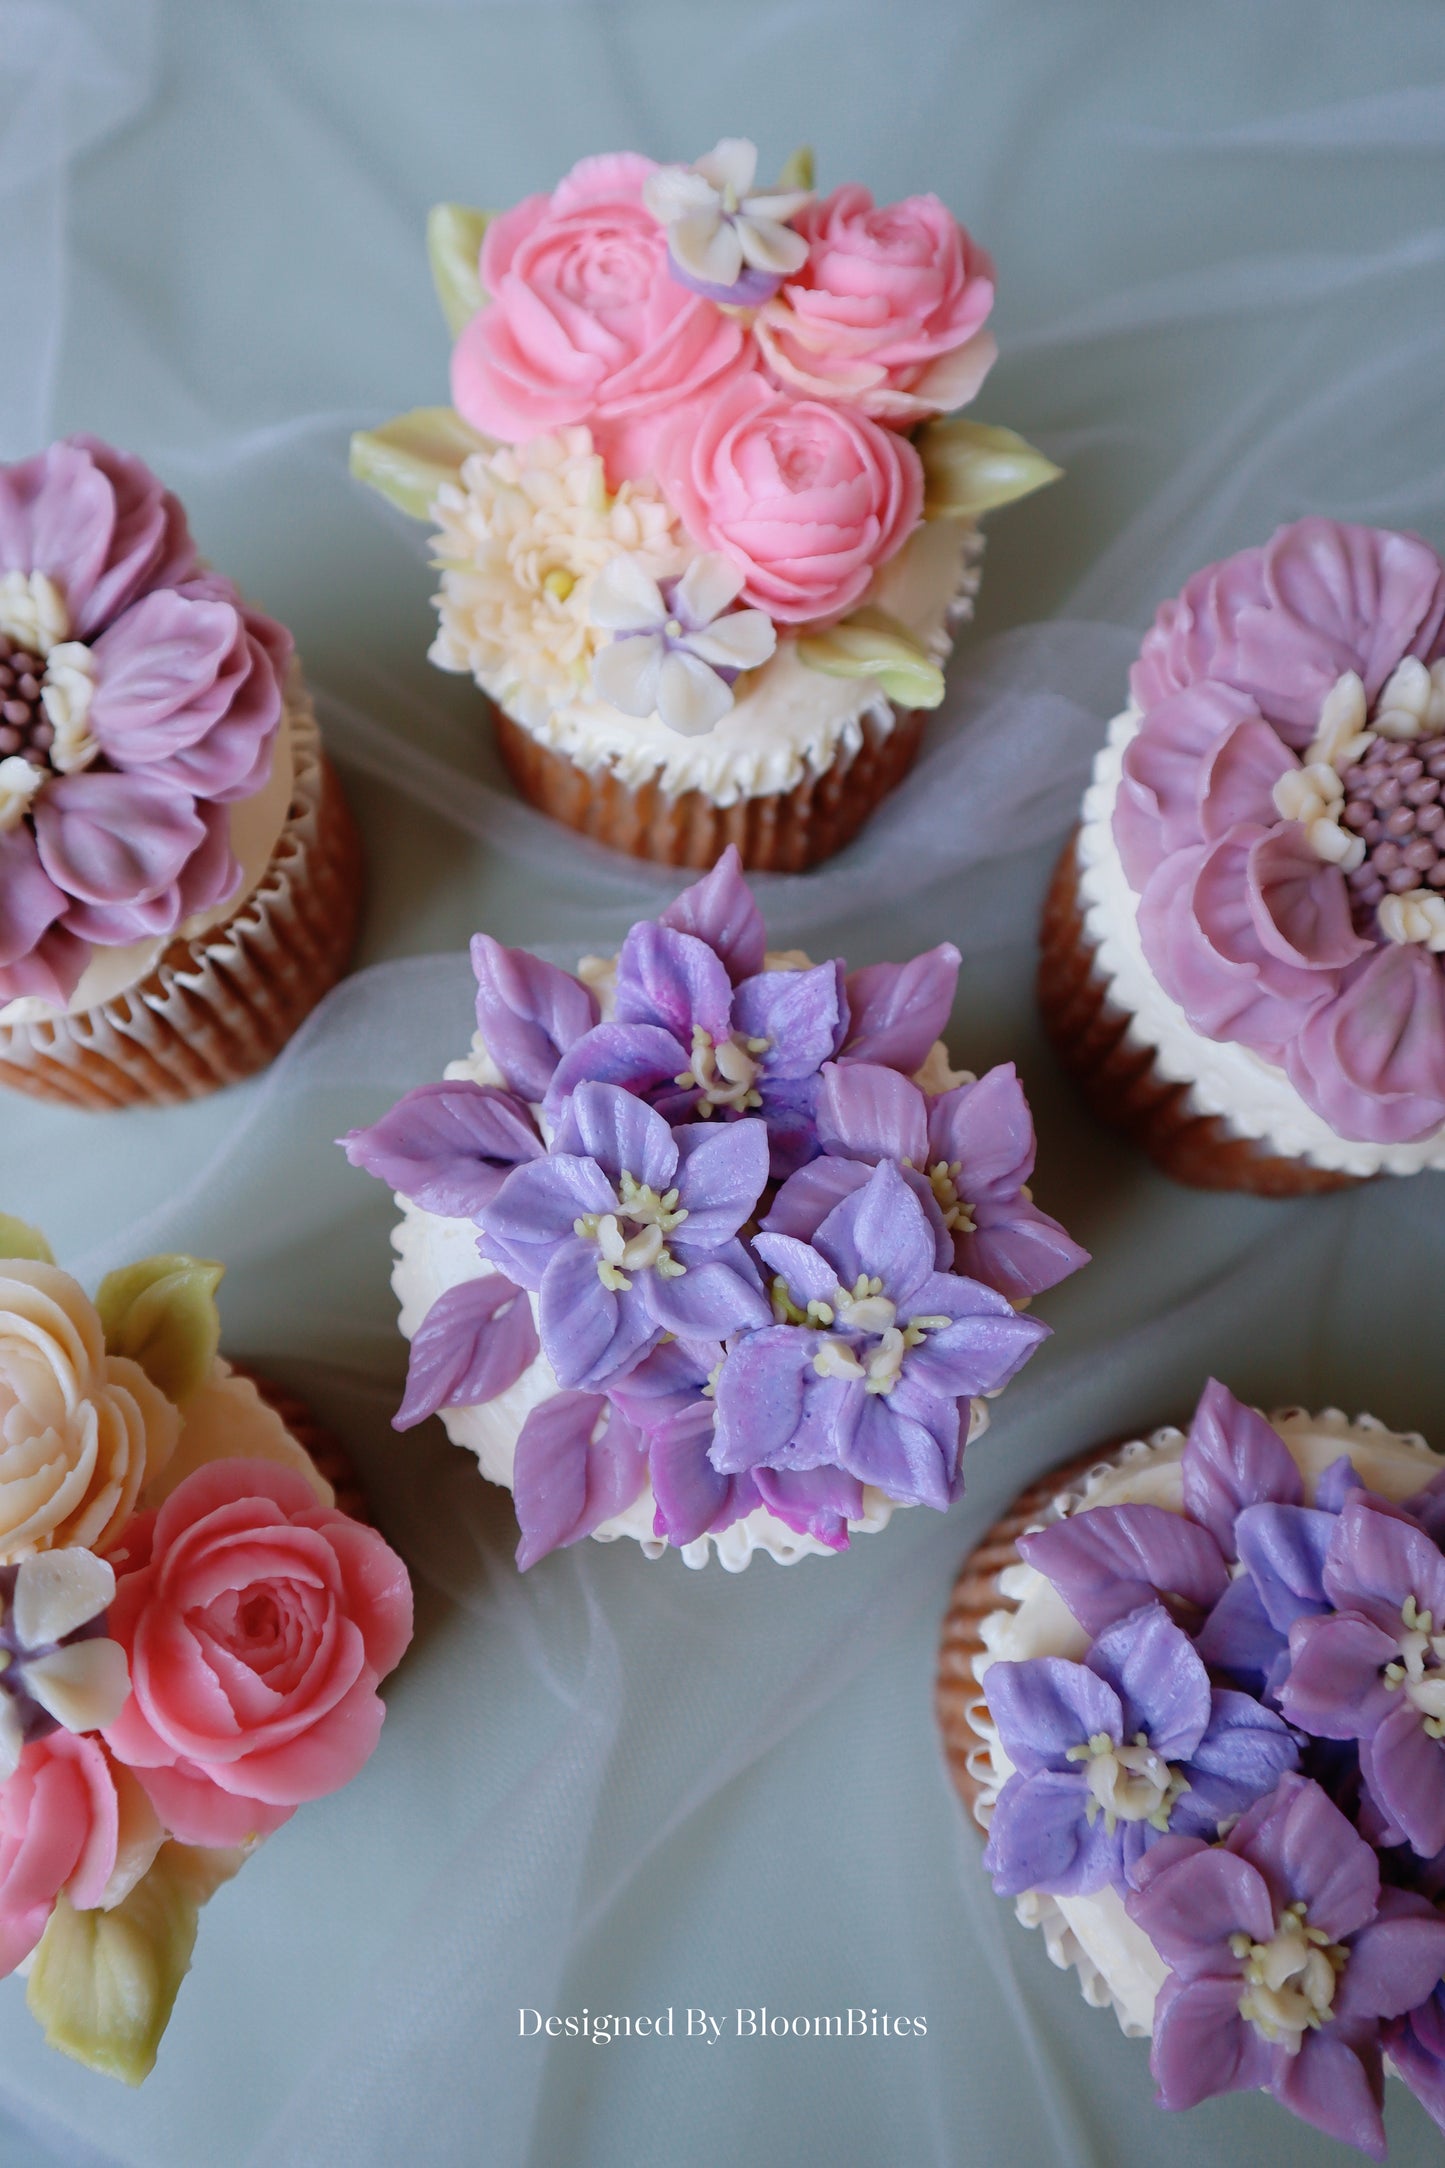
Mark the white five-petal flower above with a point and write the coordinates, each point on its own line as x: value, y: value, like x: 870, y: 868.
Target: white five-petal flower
x: 716, y: 227
x: 82, y: 1685
x: 670, y: 649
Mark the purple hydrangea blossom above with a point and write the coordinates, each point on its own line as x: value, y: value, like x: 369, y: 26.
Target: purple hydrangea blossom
x: 1285, y: 1956
x: 1114, y: 1753
x: 874, y: 1352
x: 628, y: 1230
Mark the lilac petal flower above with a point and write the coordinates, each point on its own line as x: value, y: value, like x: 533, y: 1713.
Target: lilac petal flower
x: 1284, y: 1549
x: 719, y: 909
x: 985, y: 1344
x: 1018, y: 1249
x: 1045, y: 1705
x: 908, y: 1448
x: 869, y: 1112
x: 817, y: 1502
x: 537, y: 1208
x: 1190, y: 1897
x: 1377, y: 1558
x: 1040, y: 1838
x: 592, y: 1334
x: 880, y: 1231
x: 639, y: 1058
x: 1237, y: 1638
x: 1335, y: 1686
x: 673, y: 980
x: 528, y: 1012
x: 448, y: 1147
x: 1415, y: 2044
x: 622, y: 1135
x: 1308, y: 1853
x: 1233, y: 1458
x: 986, y: 1125
x: 1338, y: 2087
x: 722, y: 1173
x: 717, y: 1293
x: 1427, y: 1506
x: 475, y: 1340
x: 692, y: 1497
x: 1162, y: 1687
x: 801, y: 1014
x: 808, y: 1196
x: 1404, y: 1772
x: 772, y: 1411
x: 1244, y: 1752
x: 1108, y: 1562
x: 899, y: 1010
x: 1396, y: 1962
x: 1201, y: 2045
x: 578, y: 1463
x: 1338, y: 1483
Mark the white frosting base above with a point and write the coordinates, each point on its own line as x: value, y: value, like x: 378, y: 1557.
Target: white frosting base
x: 1116, y: 1962
x: 788, y: 721
x: 1253, y: 1097
x: 256, y: 825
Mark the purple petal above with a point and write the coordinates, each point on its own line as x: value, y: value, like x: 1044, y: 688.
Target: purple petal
x: 807, y: 1197
x: 800, y: 1014
x: 1244, y: 1752
x: 1284, y: 1549
x: 1427, y: 1506
x: 722, y: 1170
x: 1201, y: 2045
x: 1107, y: 1562
x: 717, y: 1295
x: 51, y: 969
x: 1307, y: 1852
x: 1237, y: 1636
x: 448, y: 1147
x: 1337, y: 2085
x: 809, y: 1277
x: 868, y: 1112
x: 165, y: 673
x: 1339, y: 1481
x: 788, y: 1109
x: 1191, y: 1897
x: 817, y: 1502
x: 1404, y: 1769
x: 1334, y: 1688
x: 1376, y: 1559
x: 115, y: 839
x: 986, y: 1345
x: 899, y: 1010
x: 880, y: 1230
x: 760, y: 1395
x: 475, y: 1341
x: 578, y: 1462
x: 30, y: 902
x: 1162, y: 1686
x: 1046, y: 1705
x: 1040, y: 1838
x: 623, y: 1135
x: 986, y: 1126
x: 675, y: 981
x: 906, y: 1443
x: 639, y: 1058
x: 1395, y: 1963
x: 1416, y: 2046
x: 528, y: 1013
x: 534, y: 1210
x: 692, y: 1497
x: 590, y: 1334
x: 1017, y: 1248
x: 719, y: 909
x: 1232, y: 1459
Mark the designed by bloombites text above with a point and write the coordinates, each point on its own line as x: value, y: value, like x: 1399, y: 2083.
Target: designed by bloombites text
x: 708, y: 2027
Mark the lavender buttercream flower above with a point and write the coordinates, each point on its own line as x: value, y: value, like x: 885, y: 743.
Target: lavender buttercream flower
x: 1114, y: 1753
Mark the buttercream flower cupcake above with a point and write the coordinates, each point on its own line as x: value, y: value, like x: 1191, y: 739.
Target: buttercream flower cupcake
x: 1244, y: 945
x: 704, y: 532
x: 192, y: 1635
x: 180, y: 877
x: 1194, y: 1690
x: 708, y: 1246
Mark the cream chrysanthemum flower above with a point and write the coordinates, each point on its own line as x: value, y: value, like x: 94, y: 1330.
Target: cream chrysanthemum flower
x: 522, y: 537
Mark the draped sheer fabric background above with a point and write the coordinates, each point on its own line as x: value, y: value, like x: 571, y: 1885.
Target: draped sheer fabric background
x: 616, y: 1784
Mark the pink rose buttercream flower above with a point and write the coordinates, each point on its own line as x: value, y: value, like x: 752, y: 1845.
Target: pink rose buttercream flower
x: 807, y: 499
x: 69, y: 1820
x: 257, y: 1624
x: 585, y: 323
x: 887, y: 314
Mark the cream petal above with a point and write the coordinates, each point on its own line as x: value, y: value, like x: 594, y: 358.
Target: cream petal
x: 767, y: 246
x: 710, y: 583
x: 955, y: 378
x: 783, y: 206
x: 740, y: 641
x: 707, y: 247
x: 672, y: 191
x: 690, y: 697
x: 12, y: 1738
x: 83, y: 1687
x: 625, y: 598
x: 732, y: 163
x: 57, y: 1591
x: 626, y: 673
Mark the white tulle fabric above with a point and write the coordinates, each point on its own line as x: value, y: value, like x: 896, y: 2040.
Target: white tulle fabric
x: 610, y: 1784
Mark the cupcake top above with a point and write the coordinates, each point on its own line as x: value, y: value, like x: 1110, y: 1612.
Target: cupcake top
x: 191, y: 1637
x: 709, y: 1244
x: 1279, y: 818
x: 141, y: 704
x: 1215, y: 1703
x: 695, y: 439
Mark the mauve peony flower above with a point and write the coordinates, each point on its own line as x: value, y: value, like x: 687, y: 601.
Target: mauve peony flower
x: 154, y: 702
x: 887, y: 313
x: 584, y: 322
x: 71, y: 1819
x: 257, y: 1624
x: 806, y: 499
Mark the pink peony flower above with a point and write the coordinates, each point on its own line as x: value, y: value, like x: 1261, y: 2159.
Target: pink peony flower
x: 257, y: 1625
x: 887, y: 314
x: 139, y: 699
x: 69, y: 1820
x: 807, y: 499
x: 585, y: 322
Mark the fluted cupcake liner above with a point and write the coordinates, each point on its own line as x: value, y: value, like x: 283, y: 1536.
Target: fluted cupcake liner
x: 780, y: 832
x: 217, y: 1008
x: 1121, y: 1081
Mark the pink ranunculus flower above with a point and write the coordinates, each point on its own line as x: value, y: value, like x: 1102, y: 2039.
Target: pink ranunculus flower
x: 70, y: 1820
x: 585, y: 323
x: 806, y: 498
x: 257, y: 1625
x: 139, y: 700
x: 888, y: 312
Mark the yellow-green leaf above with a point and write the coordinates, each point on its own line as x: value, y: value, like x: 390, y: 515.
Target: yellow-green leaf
x: 453, y: 244
x: 162, y: 1314
x: 408, y: 460
x: 19, y: 1240
x: 103, y: 1983
x: 797, y: 171
x: 971, y: 467
x: 868, y: 644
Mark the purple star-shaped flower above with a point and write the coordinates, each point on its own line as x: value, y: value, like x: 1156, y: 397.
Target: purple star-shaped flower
x: 628, y: 1230
x: 967, y: 1153
x: 876, y: 1353
x: 1112, y: 1754
x: 1285, y: 1955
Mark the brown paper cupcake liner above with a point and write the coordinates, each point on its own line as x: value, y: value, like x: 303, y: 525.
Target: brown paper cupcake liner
x: 217, y: 1008
x: 781, y: 832
x: 1121, y: 1081
x: 327, y: 1454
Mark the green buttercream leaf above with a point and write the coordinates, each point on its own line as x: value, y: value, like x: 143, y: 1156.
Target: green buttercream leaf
x: 453, y: 245
x: 971, y: 467
x: 868, y: 644
x: 409, y: 459
x: 797, y: 171
x: 19, y: 1240
x: 162, y: 1314
x: 103, y: 1983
